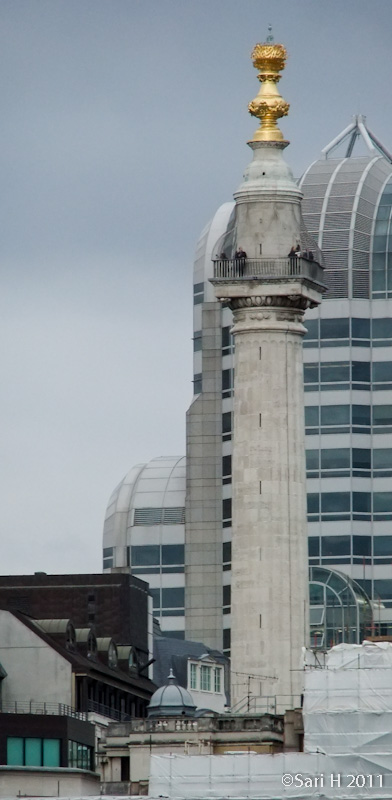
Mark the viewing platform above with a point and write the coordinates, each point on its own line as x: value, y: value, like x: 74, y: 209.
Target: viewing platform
x: 229, y: 269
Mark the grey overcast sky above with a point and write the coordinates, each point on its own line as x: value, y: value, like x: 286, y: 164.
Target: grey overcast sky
x: 123, y: 127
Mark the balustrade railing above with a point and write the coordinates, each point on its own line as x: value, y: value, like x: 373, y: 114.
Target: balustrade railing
x: 248, y: 268
x: 37, y: 707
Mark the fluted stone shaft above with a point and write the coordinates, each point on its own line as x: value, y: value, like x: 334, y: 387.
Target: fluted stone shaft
x: 269, y: 563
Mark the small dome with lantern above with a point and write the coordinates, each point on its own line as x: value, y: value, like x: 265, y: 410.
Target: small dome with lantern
x: 171, y: 700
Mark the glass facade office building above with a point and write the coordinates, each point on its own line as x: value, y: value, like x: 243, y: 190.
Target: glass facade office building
x: 347, y: 208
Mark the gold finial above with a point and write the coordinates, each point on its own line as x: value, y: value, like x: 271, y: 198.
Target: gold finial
x: 269, y: 105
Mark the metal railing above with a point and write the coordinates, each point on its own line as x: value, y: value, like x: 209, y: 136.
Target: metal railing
x: 240, y: 268
x: 37, y: 707
x: 273, y: 704
x: 107, y: 711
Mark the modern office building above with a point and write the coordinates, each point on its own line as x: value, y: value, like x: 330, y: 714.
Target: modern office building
x: 347, y: 209
x: 144, y: 533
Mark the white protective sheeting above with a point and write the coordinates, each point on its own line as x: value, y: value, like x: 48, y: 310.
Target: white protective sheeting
x: 262, y: 777
x: 348, y: 703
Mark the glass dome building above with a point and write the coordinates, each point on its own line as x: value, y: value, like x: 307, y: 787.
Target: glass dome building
x: 144, y: 531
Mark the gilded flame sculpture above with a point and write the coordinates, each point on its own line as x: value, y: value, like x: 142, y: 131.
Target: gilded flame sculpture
x: 269, y: 105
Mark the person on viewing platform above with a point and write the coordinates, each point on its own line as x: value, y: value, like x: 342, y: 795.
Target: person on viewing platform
x: 223, y: 256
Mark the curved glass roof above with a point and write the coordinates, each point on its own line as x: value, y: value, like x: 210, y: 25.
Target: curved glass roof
x: 340, y: 610
x: 150, y: 494
x: 341, y: 205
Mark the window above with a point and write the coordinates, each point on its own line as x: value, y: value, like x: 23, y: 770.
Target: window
x: 226, y: 556
x: 107, y: 557
x: 382, y: 328
x: 362, y: 502
x: 361, y: 459
x: 382, y: 415
x: 226, y: 639
x: 226, y: 422
x: 312, y: 414
x: 173, y: 598
x: 314, y: 546
x: 197, y: 383
x: 360, y: 328
x: 382, y: 503
x: 226, y: 512
x: 313, y: 503
x: 335, y: 545
x: 156, y: 597
x: 383, y: 589
x: 33, y: 752
x: 217, y: 679
x: 226, y: 339
x: 332, y: 502
x: 312, y: 460
x: 227, y: 382
x: 382, y: 546
x: 362, y: 545
x: 360, y: 372
x: 145, y: 555
x: 360, y: 416
x: 312, y: 327
x: 193, y: 676
x: 80, y: 755
x: 198, y: 293
x: 197, y: 341
x: 382, y: 459
x: 335, y: 415
x: 335, y: 459
x: 334, y: 372
x: 226, y: 595
x: 205, y: 678
x: 173, y: 554
x: 334, y: 329
x: 226, y: 468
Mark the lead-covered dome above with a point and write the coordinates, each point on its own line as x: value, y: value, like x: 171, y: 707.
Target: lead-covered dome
x: 171, y: 700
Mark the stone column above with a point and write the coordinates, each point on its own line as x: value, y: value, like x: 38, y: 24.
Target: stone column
x: 269, y: 567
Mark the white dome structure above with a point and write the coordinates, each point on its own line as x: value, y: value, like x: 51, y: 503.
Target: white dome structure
x: 171, y: 700
x: 144, y: 530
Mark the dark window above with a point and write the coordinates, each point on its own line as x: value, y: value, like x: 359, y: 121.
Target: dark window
x: 226, y: 422
x: 107, y: 552
x: 332, y: 502
x: 226, y: 508
x: 361, y: 371
x: 335, y: 373
x: 312, y: 416
x: 226, y: 552
x: 360, y: 328
x: 313, y: 546
x: 313, y: 503
x: 335, y: 458
x: 382, y: 371
x: 226, y: 595
x: 226, y: 337
x: 334, y: 329
x: 197, y: 383
x: 173, y: 598
x: 335, y: 545
x: 311, y: 373
x: 226, y: 465
x: 382, y: 502
x: 197, y: 341
x: 226, y: 638
x: 312, y: 327
x: 361, y: 415
x: 362, y: 501
x: 172, y: 554
x: 335, y: 415
x: 226, y: 379
x: 362, y: 545
x: 312, y: 459
x: 175, y: 634
x: 361, y: 458
x: 382, y: 415
x: 198, y: 287
x: 145, y: 555
x: 383, y: 589
x: 382, y: 458
x: 382, y: 328
x: 382, y: 546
